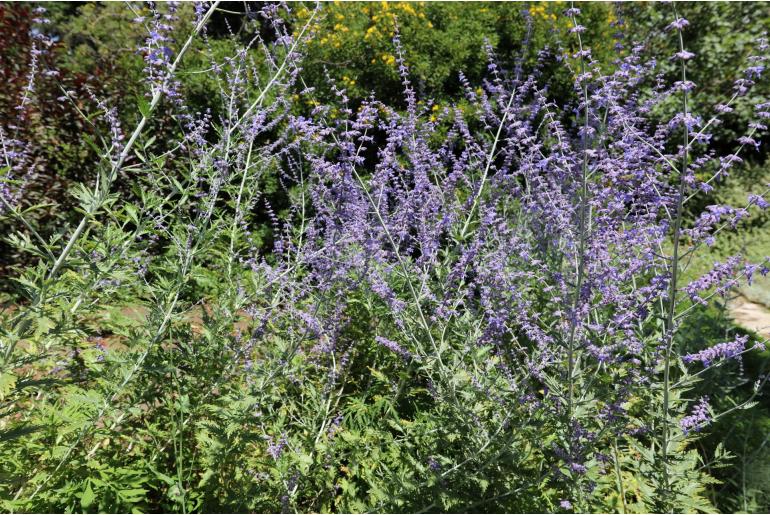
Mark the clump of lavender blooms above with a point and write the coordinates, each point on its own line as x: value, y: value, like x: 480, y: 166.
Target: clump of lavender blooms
x: 725, y: 350
x: 275, y: 447
x: 698, y: 418
x: 393, y: 346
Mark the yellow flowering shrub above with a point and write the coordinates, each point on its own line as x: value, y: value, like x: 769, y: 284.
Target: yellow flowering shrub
x: 353, y: 41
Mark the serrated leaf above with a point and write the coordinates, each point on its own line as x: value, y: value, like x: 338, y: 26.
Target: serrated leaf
x: 132, y: 495
x: 87, y: 499
x: 132, y: 213
x: 7, y: 383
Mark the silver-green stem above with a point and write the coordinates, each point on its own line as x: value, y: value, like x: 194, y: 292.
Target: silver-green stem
x: 669, y: 326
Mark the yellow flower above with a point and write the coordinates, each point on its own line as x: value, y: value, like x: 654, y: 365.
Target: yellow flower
x: 406, y: 8
x: 538, y: 10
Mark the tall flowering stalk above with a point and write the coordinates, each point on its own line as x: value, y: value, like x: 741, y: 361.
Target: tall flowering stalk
x: 678, y: 25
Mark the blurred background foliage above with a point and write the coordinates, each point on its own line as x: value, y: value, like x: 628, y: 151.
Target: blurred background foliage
x: 352, y: 47
x: 354, y: 43
x: 722, y: 35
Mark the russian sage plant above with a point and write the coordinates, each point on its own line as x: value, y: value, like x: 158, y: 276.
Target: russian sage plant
x: 365, y: 307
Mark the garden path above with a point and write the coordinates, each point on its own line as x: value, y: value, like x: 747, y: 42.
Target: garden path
x: 750, y: 315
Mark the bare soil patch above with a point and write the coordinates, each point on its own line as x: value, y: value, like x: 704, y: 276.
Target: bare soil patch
x: 750, y: 315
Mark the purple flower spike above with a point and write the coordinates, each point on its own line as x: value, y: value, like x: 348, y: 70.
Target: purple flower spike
x: 393, y: 346
x: 678, y: 24
x: 698, y: 418
x: 724, y: 350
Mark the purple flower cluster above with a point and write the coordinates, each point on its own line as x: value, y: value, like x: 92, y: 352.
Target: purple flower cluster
x: 157, y: 52
x: 16, y: 154
x: 725, y: 350
x: 724, y: 276
x: 276, y: 448
x: 698, y: 418
x: 393, y: 346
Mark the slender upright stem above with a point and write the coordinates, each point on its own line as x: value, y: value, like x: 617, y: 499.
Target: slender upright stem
x: 582, y: 233
x: 619, y: 476
x: 669, y: 326
x: 583, y: 228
